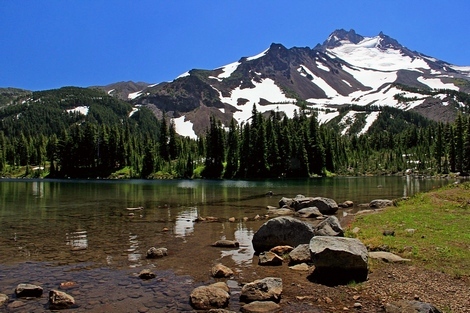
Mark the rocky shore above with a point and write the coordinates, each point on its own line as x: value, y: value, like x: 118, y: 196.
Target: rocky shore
x: 302, y: 263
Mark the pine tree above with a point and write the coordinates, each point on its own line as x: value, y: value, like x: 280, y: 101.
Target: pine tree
x: 232, y: 152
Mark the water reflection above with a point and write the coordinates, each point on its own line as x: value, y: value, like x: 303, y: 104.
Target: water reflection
x: 38, y: 189
x: 184, y: 225
x: 134, y: 256
x: 77, y: 240
x: 244, y: 255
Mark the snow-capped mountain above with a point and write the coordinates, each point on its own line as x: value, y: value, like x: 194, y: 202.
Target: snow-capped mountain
x: 347, y: 69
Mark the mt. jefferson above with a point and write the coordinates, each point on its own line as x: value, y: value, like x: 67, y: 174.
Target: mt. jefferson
x: 346, y: 70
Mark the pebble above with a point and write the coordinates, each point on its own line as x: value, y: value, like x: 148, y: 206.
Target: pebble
x: 357, y: 305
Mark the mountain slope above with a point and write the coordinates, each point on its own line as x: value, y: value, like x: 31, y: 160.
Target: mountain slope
x: 346, y: 69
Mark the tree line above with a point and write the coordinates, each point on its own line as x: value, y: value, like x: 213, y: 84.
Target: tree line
x: 43, y: 139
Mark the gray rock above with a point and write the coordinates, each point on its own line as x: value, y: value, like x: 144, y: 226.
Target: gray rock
x: 261, y: 307
x: 146, y: 274
x: 300, y: 254
x: 59, y: 300
x: 329, y: 227
x: 220, y: 271
x: 310, y: 212
x: 226, y: 244
x: 387, y: 256
x: 380, y: 203
x: 325, y: 205
x: 338, y: 260
x: 285, y: 202
x: 346, y: 204
x: 410, y: 306
x: 154, y: 253
x: 280, y: 212
x: 209, y: 297
x: 266, y: 289
x: 269, y: 258
x: 3, y: 299
x: 28, y: 290
x: 281, y: 231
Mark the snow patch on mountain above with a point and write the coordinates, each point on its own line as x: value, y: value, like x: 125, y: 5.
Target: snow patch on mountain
x: 134, y: 95
x: 266, y: 89
x: 80, y: 109
x: 228, y: 69
x: 317, y: 80
x: 184, y: 128
x: 347, y: 121
x: 322, y: 67
x: 259, y: 55
x: 436, y: 83
x: 368, y: 54
x: 370, y: 119
x: 183, y: 75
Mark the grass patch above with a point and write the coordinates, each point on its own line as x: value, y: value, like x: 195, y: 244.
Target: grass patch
x: 440, y: 220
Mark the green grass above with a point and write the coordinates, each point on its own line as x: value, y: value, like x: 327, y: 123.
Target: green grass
x: 441, y: 220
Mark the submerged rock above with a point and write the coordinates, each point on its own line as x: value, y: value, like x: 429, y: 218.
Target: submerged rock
x: 154, y: 253
x: 226, y: 243
x: 147, y: 274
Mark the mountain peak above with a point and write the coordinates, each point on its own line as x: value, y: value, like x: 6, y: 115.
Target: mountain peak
x: 387, y: 42
x: 339, y: 36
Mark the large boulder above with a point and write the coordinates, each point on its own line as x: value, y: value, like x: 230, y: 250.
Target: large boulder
x: 209, y: 297
x: 59, y: 300
x: 410, y: 306
x: 338, y: 260
x: 324, y: 205
x: 266, y: 289
x: 280, y: 231
x: 329, y: 227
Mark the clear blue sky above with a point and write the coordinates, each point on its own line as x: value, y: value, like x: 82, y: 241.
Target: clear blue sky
x: 49, y: 44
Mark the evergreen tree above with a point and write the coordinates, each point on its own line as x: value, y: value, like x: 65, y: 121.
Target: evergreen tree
x: 215, y: 150
x: 231, y: 169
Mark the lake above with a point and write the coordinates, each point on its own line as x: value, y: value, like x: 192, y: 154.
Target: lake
x: 80, y: 231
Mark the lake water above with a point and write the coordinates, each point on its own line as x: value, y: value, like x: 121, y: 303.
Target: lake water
x: 55, y: 231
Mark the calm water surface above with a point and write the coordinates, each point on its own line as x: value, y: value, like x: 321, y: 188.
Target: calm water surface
x: 53, y: 231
